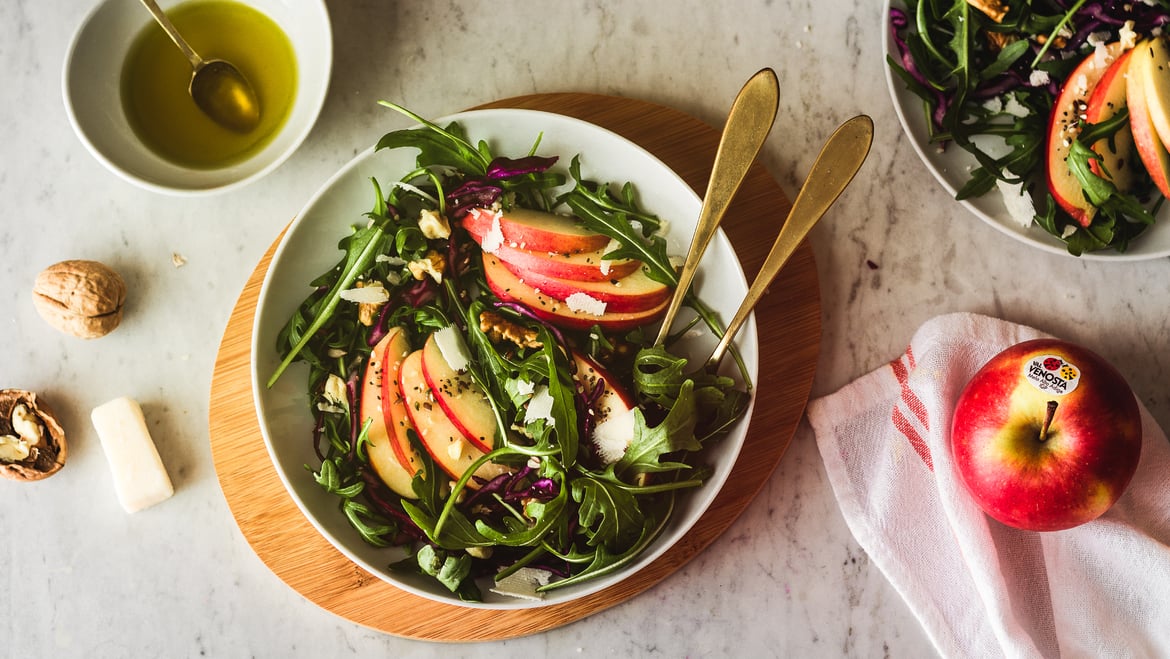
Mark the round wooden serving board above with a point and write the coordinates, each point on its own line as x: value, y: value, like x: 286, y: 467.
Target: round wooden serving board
x: 789, y: 323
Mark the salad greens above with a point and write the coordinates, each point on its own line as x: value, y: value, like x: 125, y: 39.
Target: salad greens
x: 989, y: 72
x: 557, y: 505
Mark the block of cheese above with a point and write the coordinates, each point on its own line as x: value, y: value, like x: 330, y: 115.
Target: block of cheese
x: 140, y: 478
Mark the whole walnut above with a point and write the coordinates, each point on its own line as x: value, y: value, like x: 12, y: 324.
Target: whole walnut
x: 32, y: 442
x: 81, y: 298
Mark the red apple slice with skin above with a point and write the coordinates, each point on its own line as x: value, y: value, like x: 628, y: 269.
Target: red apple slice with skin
x: 508, y: 287
x: 580, y: 266
x: 462, y: 400
x: 442, y: 440
x: 1157, y: 86
x: 634, y: 292
x: 614, y: 399
x: 382, y: 450
x: 1145, y: 137
x: 536, y: 230
x: 1118, y: 158
x: 613, y: 428
x: 1064, y: 126
x: 397, y: 347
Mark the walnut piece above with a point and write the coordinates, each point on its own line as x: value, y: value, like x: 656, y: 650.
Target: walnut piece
x: 432, y: 264
x: 32, y: 443
x: 996, y: 10
x: 497, y: 328
x: 81, y: 298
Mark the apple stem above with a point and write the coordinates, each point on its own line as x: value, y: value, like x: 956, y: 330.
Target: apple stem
x: 1048, y: 420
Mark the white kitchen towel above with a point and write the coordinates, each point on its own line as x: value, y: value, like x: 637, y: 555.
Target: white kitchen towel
x: 979, y: 588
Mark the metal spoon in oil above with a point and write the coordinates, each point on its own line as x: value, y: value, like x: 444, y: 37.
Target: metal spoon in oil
x: 219, y: 89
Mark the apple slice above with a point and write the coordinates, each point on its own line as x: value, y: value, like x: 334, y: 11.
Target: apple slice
x: 462, y: 400
x: 443, y: 441
x: 614, y: 400
x: 613, y: 428
x: 508, y: 287
x: 1157, y: 86
x: 634, y: 292
x: 578, y: 266
x: 393, y: 406
x: 536, y: 230
x: 384, y: 410
x: 1145, y: 137
x: 1108, y: 97
x: 1065, y: 124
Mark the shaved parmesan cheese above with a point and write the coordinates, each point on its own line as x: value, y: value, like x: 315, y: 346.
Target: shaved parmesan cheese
x: 373, y: 293
x: 415, y: 189
x: 524, y: 387
x: 523, y: 583
x: 1015, y: 108
x: 539, y: 406
x: 612, y: 436
x: 450, y: 343
x: 583, y: 303
x: 494, y: 238
x: 390, y: 260
x: 335, y: 392
x: 607, y: 263
x: 1018, y: 202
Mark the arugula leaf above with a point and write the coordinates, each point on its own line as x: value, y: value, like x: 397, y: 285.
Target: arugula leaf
x: 362, y: 247
x: 437, y: 145
x: 675, y: 433
x: 452, y: 569
x: 600, y: 211
x: 458, y: 532
x: 603, y: 561
x: 335, y: 479
x: 609, y: 513
x: 541, y: 518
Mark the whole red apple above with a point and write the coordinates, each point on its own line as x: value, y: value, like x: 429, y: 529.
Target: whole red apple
x: 1046, y: 436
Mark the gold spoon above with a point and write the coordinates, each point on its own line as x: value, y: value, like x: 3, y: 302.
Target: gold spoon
x: 217, y: 87
x: 832, y: 171
x: 748, y: 123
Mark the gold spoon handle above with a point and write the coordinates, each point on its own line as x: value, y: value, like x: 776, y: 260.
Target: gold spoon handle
x: 748, y: 123
x: 832, y: 171
x: 161, y: 18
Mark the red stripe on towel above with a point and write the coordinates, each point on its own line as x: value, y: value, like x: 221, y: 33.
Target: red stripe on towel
x: 914, y: 404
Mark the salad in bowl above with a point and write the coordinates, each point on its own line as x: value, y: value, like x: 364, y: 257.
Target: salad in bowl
x: 1060, y: 110
x: 468, y: 401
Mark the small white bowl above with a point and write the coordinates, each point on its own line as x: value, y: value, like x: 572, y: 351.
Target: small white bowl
x: 93, y: 99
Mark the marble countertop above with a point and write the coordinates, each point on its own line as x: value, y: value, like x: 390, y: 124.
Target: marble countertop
x: 83, y: 579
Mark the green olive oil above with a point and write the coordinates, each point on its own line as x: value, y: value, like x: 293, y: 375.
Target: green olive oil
x: 156, y: 75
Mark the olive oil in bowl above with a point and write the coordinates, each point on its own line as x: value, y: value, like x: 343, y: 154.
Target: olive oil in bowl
x: 156, y: 75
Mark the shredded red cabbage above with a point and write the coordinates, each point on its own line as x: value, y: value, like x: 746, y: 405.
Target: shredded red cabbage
x: 420, y: 293
x: 352, y: 385
x: 501, y: 167
x: 374, y: 491
x: 472, y: 194
x: 898, y: 22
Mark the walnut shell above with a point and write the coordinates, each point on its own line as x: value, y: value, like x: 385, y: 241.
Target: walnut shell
x: 81, y: 298
x: 47, y: 455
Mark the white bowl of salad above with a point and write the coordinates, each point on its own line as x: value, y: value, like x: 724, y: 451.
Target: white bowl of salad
x: 453, y: 365
x: 1027, y: 113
